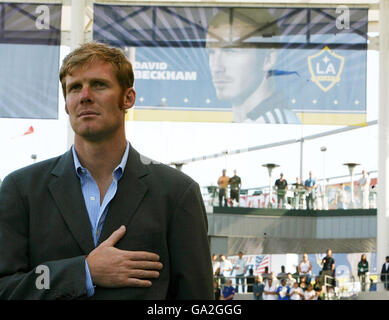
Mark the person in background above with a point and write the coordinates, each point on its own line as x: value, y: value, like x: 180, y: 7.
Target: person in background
x: 215, y: 265
x: 296, y: 293
x: 341, y: 197
x: 317, y: 286
x: 281, y: 186
x: 235, y: 185
x: 385, y: 273
x: 282, y: 274
x: 283, y: 290
x: 250, y: 279
x: 270, y: 290
x: 373, y: 285
x: 290, y: 280
x: 266, y: 275
x: 310, y: 187
x: 216, y: 289
x: 240, y: 270
x: 228, y: 291
x: 305, y: 268
x: 363, y: 271
x: 258, y: 288
x: 364, y: 189
x: 328, y: 269
x: 310, y: 294
x: 274, y: 278
x: 303, y: 283
x: 222, y: 182
x: 298, y: 193
x: 225, y: 268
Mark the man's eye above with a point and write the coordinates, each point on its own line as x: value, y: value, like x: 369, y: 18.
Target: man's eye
x: 75, y: 87
x: 99, y: 84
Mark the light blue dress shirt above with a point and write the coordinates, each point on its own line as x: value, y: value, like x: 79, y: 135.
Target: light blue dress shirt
x: 96, y: 212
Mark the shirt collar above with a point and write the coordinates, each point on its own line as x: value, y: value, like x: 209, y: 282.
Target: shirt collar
x: 117, y: 173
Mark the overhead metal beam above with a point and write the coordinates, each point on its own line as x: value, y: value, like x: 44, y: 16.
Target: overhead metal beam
x: 274, y: 144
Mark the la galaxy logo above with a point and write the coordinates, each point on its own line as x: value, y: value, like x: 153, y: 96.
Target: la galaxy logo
x: 326, y: 68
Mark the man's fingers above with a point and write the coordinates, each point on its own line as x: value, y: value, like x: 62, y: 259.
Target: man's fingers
x: 114, y: 237
x: 133, y: 282
x: 141, y: 256
x: 143, y: 274
x: 145, y: 265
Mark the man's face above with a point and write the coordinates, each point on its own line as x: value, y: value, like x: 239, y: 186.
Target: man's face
x: 236, y: 72
x: 95, y: 101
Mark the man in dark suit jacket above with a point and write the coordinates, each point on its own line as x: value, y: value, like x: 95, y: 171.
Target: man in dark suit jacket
x: 152, y: 242
x: 385, y: 273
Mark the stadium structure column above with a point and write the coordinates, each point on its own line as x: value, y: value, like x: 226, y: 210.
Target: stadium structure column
x: 77, y: 38
x: 383, y: 147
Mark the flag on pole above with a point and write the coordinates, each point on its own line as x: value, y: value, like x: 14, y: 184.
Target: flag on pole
x: 29, y: 131
x: 261, y: 262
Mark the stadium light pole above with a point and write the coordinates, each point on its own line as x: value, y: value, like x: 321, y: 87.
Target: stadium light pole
x: 270, y: 167
x: 351, y: 166
x: 383, y: 140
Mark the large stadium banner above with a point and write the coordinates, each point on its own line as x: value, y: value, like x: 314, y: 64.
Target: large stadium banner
x: 254, y: 65
x: 30, y: 36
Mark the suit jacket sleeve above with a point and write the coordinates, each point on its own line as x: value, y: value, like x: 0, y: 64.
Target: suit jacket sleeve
x: 191, y: 266
x: 18, y: 279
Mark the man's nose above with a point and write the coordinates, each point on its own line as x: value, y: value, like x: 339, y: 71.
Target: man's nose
x: 86, y: 94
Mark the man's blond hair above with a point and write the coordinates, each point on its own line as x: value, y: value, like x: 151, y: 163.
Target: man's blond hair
x: 92, y: 51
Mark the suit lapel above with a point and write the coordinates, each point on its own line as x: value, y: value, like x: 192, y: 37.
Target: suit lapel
x: 130, y: 192
x: 66, y: 191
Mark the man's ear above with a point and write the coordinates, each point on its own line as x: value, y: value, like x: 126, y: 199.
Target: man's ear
x: 270, y: 60
x: 129, y: 98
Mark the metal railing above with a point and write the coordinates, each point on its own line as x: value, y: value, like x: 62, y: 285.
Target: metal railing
x: 334, y: 197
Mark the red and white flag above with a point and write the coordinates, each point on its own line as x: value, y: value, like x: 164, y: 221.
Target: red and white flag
x: 29, y: 131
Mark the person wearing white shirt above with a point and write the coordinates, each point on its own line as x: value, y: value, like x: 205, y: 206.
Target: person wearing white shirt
x: 305, y: 268
x: 215, y: 265
x: 364, y: 185
x: 310, y: 294
x: 225, y: 268
x: 290, y: 280
x: 240, y: 270
x: 296, y: 293
x: 270, y: 291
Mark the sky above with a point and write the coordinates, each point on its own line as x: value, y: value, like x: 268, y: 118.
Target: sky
x: 175, y: 141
